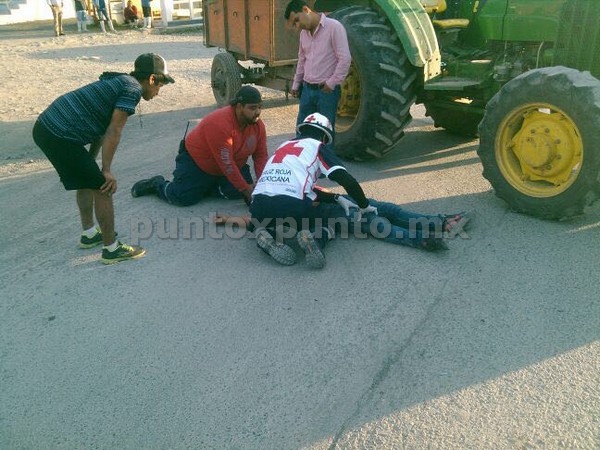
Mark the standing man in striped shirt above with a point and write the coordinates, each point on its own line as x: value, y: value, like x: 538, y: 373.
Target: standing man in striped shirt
x: 95, y: 114
x: 323, y: 61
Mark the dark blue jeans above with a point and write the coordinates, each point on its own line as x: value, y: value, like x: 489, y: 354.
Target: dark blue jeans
x: 289, y: 212
x: 392, y: 224
x: 190, y: 184
x: 315, y: 100
x: 299, y: 214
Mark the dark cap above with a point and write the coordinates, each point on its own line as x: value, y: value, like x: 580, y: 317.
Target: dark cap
x: 151, y: 63
x: 247, y: 94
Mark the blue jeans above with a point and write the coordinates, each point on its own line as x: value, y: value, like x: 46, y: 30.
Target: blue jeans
x: 315, y: 100
x: 103, y: 14
x: 392, y: 224
x: 191, y: 184
x: 292, y: 213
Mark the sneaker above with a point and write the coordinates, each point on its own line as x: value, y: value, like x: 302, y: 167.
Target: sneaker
x: 283, y: 254
x: 86, y: 242
x: 122, y: 253
x: 147, y: 186
x: 315, y: 259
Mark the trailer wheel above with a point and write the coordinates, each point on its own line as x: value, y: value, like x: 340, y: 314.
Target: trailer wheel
x: 226, y: 78
x: 379, y: 90
x: 539, y: 142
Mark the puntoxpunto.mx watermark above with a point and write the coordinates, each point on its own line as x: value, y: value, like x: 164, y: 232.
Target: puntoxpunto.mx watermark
x: 196, y: 228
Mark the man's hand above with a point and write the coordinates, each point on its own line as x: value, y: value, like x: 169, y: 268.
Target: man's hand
x: 294, y: 93
x: 346, y: 204
x: 247, y: 193
x: 326, y: 89
x: 110, y: 185
x: 368, y: 210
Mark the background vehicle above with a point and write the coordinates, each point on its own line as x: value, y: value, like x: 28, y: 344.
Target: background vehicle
x: 521, y: 74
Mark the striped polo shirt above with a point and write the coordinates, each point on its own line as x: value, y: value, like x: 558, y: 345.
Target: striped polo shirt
x: 83, y: 115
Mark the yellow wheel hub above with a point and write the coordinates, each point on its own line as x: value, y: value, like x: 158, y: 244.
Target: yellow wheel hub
x: 539, y: 150
x: 349, y: 101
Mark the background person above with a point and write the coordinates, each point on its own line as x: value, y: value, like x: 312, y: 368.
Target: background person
x: 95, y: 114
x: 213, y: 157
x: 81, y: 13
x: 103, y: 15
x: 147, y: 11
x: 130, y: 14
x: 57, y: 12
x: 323, y: 61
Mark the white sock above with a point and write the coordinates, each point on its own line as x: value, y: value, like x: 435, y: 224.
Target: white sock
x: 90, y: 232
x: 112, y: 247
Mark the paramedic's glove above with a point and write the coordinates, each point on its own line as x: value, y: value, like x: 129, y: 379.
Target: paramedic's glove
x: 363, y: 211
x: 345, y: 203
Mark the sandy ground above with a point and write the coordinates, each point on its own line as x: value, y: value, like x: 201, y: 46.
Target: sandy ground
x: 207, y: 344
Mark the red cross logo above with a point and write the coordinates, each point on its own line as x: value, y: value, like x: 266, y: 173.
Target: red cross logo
x: 288, y: 149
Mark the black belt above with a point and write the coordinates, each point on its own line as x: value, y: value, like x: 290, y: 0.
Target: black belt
x: 314, y: 85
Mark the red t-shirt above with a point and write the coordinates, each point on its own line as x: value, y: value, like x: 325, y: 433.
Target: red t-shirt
x: 219, y: 147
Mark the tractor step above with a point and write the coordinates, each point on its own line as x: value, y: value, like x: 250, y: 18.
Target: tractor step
x: 451, y: 84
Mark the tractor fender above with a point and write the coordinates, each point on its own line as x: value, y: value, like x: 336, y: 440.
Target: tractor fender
x: 415, y: 30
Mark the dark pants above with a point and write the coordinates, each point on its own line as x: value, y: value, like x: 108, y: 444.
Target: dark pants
x: 289, y: 212
x: 191, y: 184
x: 314, y: 100
x: 75, y: 165
x: 393, y: 224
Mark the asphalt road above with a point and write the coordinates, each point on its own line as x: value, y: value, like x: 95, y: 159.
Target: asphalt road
x: 207, y: 344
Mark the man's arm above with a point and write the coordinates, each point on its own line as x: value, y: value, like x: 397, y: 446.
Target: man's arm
x: 324, y: 195
x: 341, y: 49
x: 349, y: 183
x: 261, y: 155
x: 332, y: 167
x: 110, y: 142
x: 220, y: 146
x: 299, y: 75
x: 225, y: 219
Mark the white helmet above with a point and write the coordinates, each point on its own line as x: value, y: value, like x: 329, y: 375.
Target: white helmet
x: 318, y: 121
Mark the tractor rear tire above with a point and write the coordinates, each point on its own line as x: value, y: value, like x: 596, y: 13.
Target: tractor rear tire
x: 226, y: 78
x: 382, y: 87
x: 540, y: 145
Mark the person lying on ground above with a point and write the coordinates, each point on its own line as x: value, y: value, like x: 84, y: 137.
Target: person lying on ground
x: 392, y: 224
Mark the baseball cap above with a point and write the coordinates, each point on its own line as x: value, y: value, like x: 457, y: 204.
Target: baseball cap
x: 247, y: 94
x: 151, y: 63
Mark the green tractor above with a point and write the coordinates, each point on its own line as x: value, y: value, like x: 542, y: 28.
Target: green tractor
x: 523, y: 75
